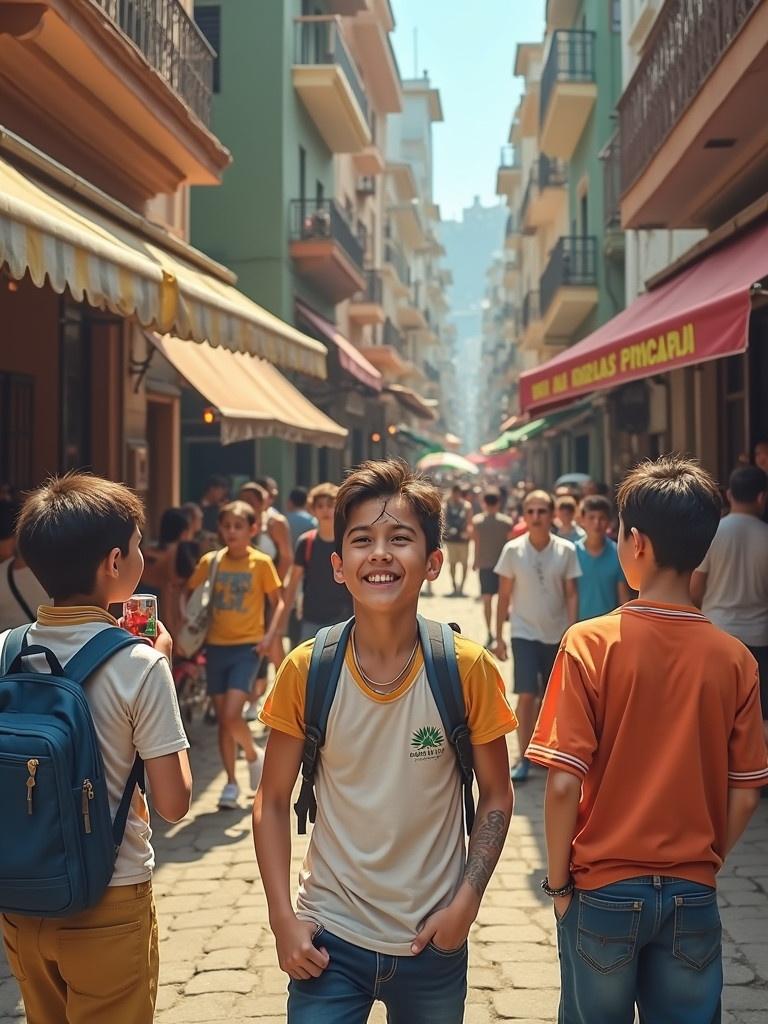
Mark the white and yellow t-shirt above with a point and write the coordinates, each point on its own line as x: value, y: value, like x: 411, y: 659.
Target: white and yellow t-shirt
x: 388, y: 846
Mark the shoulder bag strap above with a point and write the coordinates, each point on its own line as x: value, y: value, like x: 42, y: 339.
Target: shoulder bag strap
x: 17, y: 593
x: 12, y: 648
x: 324, y: 671
x: 442, y: 671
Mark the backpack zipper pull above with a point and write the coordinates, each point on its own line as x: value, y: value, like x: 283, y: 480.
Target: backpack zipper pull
x: 87, y: 796
x: 32, y: 764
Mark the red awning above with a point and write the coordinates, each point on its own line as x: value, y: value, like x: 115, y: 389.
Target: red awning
x: 702, y: 313
x: 351, y: 360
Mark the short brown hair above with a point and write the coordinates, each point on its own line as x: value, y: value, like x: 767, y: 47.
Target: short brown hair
x: 596, y: 503
x: 255, y: 488
x: 70, y: 524
x: 238, y: 508
x: 676, y: 504
x: 540, y: 495
x: 566, y: 501
x: 326, y: 490
x: 388, y: 479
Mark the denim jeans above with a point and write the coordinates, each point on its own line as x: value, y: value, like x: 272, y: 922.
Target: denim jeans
x: 654, y: 942
x: 426, y: 989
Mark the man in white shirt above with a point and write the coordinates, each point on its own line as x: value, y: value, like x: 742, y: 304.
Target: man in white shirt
x: 731, y: 584
x: 538, y: 572
x: 20, y: 591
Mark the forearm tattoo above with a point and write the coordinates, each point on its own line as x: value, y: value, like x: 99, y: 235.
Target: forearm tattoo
x: 485, y: 848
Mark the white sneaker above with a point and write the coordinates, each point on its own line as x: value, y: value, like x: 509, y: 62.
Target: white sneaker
x: 228, y: 800
x: 255, y: 769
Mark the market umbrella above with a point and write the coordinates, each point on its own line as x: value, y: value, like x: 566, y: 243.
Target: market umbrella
x: 447, y: 460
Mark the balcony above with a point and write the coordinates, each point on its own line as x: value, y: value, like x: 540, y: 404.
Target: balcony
x: 367, y: 305
x: 613, y: 236
x: 509, y: 173
x: 397, y: 268
x: 410, y: 225
x: 365, y: 186
x: 693, y: 149
x: 374, y: 49
x: 568, y: 286
x: 411, y: 315
x: 546, y: 195
x: 328, y: 83
x: 118, y: 90
x: 512, y: 237
x: 568, y: 91
x: 642, y: 14
x: 531, y: 323
x: 511, y: 272
x: 561, y: 13
x: 389, y: 354
x: 326, y: 249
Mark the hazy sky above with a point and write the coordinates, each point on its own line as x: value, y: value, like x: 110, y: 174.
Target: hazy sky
x: 469, y: 51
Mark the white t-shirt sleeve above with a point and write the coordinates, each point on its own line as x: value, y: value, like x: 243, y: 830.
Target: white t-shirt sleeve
x: 506, y: 563
x: 572, y: 564
x: 155, y: 715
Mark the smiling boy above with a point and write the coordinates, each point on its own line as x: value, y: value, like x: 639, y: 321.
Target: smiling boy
x: 387, y: 892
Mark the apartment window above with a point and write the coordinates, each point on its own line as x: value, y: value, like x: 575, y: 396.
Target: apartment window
x: 584, y: 214
x: 208, y: 18
x: 615, y: 15
x: 17, y: 406
x: 302, y: 173
x: 75, y: 377
x: 319, y: 192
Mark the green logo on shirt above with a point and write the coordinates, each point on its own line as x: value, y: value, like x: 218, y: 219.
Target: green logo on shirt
x: 427, y: 738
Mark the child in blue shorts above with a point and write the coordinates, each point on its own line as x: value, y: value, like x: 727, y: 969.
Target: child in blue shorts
x: 236, y: 638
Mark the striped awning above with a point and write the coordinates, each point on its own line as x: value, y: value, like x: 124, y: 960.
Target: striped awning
x: 121, y: 264
x: 252, y: 398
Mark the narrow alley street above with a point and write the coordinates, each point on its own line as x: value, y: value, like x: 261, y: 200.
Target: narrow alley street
x: 218, y: 962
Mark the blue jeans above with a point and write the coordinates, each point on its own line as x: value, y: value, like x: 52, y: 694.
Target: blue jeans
x: 426, y: 989
x: 654, y: 942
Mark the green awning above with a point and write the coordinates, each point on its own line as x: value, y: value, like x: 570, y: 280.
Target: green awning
x: 409, y: 437
x: 512, y: 438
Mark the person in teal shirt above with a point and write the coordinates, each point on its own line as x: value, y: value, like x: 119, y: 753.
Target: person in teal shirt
x: 602, y: 586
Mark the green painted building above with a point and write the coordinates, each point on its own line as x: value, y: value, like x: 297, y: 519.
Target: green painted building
x: 283, y: 128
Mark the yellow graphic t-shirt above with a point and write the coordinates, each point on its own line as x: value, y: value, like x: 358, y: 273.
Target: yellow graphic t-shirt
x: 238, y: 596
x: 387, y: 848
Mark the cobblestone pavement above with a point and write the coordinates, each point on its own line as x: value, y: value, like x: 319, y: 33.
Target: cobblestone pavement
x: 217, y: 957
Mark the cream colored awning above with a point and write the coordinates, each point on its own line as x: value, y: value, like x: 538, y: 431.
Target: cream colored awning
x: 252, y: 397
x: 50, y: 232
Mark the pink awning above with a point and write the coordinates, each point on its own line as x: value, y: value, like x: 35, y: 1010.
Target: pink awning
x: 351, y: 360
x: 702, y: 313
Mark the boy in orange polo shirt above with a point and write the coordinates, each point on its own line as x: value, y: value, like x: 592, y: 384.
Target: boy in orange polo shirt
x: 652, y: 733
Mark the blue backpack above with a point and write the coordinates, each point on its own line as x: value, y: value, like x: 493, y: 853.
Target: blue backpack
x: 442, y: 671
x: 60, y: 844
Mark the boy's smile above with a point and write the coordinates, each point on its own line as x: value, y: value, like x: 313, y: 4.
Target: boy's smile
x: 384, y: 554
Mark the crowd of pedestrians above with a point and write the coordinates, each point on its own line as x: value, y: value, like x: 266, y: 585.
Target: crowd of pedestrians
x: 390, y: 718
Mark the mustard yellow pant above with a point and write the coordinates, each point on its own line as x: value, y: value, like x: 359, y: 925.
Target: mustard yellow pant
x: 95, y: 967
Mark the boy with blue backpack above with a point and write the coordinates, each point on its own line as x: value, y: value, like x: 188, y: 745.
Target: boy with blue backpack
x: 390, y: 716
x: 85, y: 710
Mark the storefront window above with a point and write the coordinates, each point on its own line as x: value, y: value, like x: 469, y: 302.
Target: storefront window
x: 75, y: 389
x: 16, y: 418
x: 733, y: 437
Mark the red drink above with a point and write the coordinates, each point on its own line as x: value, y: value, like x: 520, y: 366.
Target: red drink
x: 140, y: 615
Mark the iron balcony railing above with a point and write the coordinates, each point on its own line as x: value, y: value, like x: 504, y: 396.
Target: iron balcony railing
x: 509, y: 158
x: 611, y: 157
x: 573, y: 262
x: 365, y: 185
x: 686, y: 43
x: 546, y: 172
x: 391, y: 336
x: 571, y: 59
x: 531, y: 308
x: 394, y: 256
x: 318, y: 40
x: 374, y: 289
x: 172, y: 44
x: 324, y: 218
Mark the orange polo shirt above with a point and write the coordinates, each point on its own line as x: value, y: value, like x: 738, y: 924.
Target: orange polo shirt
x: 658, y: 712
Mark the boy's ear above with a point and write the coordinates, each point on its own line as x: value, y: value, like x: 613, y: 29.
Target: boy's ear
x: 640, y: 543
x: 111, y: 564
x: 434, y: 565
x: 338, y: 568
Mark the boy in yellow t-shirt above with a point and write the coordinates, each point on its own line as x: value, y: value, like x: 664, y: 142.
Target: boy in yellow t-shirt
x: 236, y: 639
x: 387, y: 892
